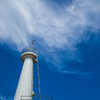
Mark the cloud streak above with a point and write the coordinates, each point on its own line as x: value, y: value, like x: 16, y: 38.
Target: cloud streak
x: 2, y: 97
x: 60, y: 28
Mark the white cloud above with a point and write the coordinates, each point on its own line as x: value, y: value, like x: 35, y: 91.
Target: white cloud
x: 19, y: 20
x: 59, y: 27
x: 3, y: 97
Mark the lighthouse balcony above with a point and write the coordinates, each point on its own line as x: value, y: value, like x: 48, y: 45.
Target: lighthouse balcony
x: 37, y: 97
x: 29, y: 49
x: 29, y: 52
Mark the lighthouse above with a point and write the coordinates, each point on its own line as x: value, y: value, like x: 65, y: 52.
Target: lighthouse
x: 25, y: 85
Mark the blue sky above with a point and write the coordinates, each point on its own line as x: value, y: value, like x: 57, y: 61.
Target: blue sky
x: 67, y: 34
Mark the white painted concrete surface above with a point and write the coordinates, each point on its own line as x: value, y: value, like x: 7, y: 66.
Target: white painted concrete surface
x: 25, y: 84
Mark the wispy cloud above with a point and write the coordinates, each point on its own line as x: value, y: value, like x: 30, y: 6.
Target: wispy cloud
x: 81, y: 75
x: 60, y: 28
x: 19, y: 20
x: 3, y: 97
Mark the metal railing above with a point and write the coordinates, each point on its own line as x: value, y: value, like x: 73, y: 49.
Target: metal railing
x: 37, y: 97
x: 29, y: 49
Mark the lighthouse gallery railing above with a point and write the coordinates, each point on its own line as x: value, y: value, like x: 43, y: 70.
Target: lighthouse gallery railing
x: 37, y: 97
x: 29, y: 49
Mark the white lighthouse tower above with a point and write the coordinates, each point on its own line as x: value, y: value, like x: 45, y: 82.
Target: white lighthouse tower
x: 25, y: 84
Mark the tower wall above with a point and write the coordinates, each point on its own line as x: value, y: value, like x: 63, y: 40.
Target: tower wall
x: 24, y: 88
